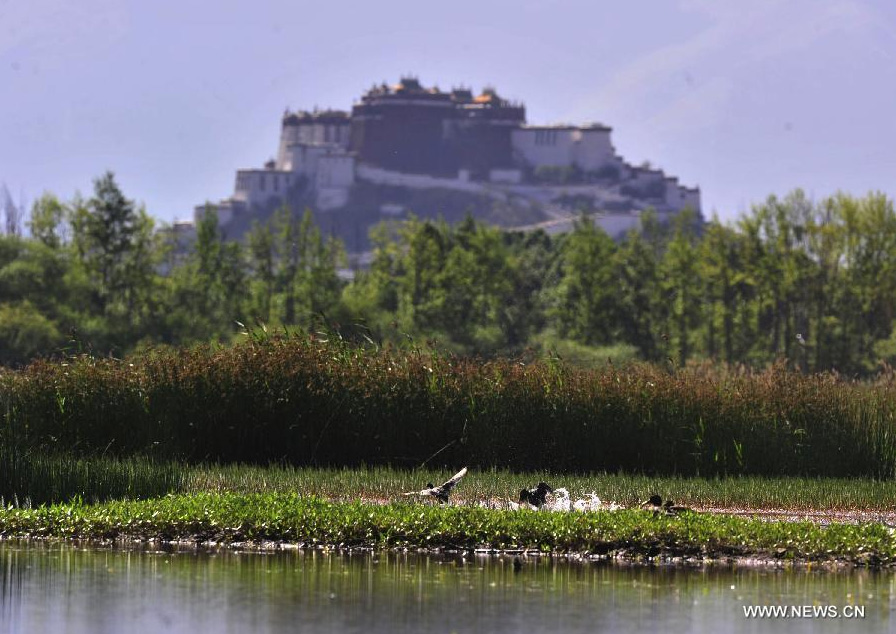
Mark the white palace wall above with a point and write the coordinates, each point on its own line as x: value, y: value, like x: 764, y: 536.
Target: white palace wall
x: 588, y: 148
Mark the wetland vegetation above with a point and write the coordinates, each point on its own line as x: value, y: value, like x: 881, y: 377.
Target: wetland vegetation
x: 42, y: 479
x: 303, y: 400
x: 806, y: 281
x: 363, y: 508
x: 307, y: 521
x: 707, y: 396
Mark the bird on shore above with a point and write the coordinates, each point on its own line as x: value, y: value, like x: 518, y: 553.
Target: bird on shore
x: 536, y: 496
x: 441, y: 492
x: 590, y: 503
x: 666, y: 508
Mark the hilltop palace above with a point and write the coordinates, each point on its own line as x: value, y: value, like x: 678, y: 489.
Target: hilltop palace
x: 411, y: 137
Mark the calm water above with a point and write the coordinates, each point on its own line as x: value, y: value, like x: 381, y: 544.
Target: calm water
x: 62, y: 588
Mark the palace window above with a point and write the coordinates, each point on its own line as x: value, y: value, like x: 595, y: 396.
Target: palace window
x: 546, y: 137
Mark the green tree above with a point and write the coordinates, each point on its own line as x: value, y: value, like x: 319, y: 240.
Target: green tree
x: 207, y: 291
x: 307, y: 275
x: 726, y: 288
x: 114, y: 240
x: 635, y: 269
x: 864, y: 295
x: 47, y: 218
x: 679, y: 275
x: 532, y: 274
x: 422, y: 296
x: 584, y: 301
x: 477, y: 285
x: 25, y: 333
x: 372, y: 297
x: 262, y: 262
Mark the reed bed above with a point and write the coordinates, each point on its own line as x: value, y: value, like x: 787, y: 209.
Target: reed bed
x: 229, y: 518
x: 306, y: 402
x: 31, y: 479
x: 387, y: 484
x: 34, y: 480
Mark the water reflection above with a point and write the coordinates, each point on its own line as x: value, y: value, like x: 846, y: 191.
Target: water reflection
x: 62, y: 588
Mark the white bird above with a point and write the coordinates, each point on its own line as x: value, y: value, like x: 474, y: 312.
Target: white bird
x: 440, y: 492
x: 589, y: 503
x: 558, y: 501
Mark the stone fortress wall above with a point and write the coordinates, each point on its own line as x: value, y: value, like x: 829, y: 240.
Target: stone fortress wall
x: 412, y: 136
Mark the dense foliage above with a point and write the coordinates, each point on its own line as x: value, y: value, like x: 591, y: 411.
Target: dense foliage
x: 810, y: 282
x: 308, y: 401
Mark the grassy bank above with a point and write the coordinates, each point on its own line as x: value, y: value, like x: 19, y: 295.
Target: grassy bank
x: 226, y: 518
x: 32, y: 480
x: 306, y: 402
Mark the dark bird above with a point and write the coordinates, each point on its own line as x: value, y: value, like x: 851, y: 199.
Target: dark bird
x: 441, y: 492
x: 536, y: 497
x: 668, y: 507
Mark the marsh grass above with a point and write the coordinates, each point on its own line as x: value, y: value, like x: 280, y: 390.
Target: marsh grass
x: 299, y: 400
x: 386, y: 484
x: 226, y: 518
x: 29, y: 479
x: 36, y: 479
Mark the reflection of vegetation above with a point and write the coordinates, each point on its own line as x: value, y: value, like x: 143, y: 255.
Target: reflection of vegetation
x: 210, y: 589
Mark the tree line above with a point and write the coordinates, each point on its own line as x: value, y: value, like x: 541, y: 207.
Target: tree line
x: 809, y: 282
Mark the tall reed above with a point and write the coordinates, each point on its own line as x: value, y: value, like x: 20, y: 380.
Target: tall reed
x: 31, y: 478
x: 299, y: 400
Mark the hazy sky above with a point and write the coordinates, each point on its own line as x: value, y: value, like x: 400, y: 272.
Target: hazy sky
x: 744, y: 99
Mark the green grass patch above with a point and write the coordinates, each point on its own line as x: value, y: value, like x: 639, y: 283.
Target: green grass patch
x: 29, y: 480
x: 381, y: 483
x: 312, y: 521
